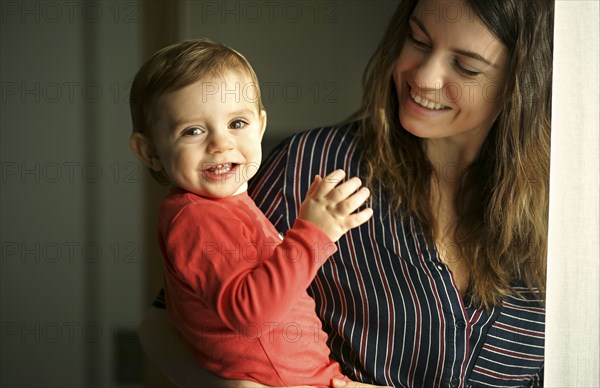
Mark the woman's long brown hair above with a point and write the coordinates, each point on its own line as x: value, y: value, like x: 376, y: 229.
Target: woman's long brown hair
x: 502, y: 203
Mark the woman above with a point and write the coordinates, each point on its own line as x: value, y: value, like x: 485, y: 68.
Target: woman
x: 445, y: 285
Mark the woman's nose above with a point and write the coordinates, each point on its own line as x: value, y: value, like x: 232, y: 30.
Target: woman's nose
x: 429, y: 73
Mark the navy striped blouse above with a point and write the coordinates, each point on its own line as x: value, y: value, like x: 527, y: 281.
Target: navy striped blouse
x: 393, y: 312
x: 390, y: 305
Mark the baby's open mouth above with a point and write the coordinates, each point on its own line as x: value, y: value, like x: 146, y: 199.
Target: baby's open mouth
x: 221, y: 168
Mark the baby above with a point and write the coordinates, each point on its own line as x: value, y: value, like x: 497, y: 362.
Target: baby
x: 235, y: 288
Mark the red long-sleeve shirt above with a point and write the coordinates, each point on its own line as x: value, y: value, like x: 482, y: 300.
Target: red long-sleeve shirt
x: 237, y: 292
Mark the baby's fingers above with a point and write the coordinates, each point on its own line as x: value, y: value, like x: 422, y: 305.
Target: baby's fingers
x: 330, y: 182
x: 353, y: 202
x: 314, y: 185
x: 355, y: 219
x: 345, y: 190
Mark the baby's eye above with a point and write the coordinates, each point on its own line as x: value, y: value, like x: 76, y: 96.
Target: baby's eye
x: 195, y: 131
x: 237, y: 124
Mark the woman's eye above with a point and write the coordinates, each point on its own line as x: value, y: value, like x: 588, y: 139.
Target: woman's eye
x: 192, y: 132
x: 417, y: 43
x: 466, y: 71
x: 237, y: 124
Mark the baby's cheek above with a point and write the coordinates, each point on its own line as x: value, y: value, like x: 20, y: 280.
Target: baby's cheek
x: 249, y: 170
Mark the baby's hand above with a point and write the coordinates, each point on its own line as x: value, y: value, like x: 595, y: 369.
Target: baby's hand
x: 331, y: 206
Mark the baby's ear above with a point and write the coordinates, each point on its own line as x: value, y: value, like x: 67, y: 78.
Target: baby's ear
x: 263, y: 122
x: 143, y: 148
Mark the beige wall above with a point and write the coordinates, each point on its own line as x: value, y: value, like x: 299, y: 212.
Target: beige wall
x: 309, y: 55
x: 573, y: 300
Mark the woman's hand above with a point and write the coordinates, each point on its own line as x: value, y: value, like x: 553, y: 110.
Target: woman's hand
x: 354, y: 384
x: 251, y: 384
x: 335, y: 384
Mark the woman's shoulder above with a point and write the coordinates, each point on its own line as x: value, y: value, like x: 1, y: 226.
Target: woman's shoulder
x: 525, y: 298
x: 291, y: 166
x: 332, y: 145
x: 322, y: 136
x: 319, y: 137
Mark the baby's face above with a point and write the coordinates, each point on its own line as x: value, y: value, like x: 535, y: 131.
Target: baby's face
x: 208, y: 135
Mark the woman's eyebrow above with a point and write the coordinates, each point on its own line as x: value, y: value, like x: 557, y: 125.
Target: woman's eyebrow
x: 420, y: 25
x: 475, y: 56
x: 465, y: 53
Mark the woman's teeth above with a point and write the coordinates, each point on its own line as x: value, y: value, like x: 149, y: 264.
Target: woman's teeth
x: 425, y: 103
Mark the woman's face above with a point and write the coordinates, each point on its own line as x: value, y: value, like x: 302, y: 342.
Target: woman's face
x: 450, y: 73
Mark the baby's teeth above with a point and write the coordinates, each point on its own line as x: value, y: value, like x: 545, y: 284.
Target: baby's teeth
x: 221, y: 168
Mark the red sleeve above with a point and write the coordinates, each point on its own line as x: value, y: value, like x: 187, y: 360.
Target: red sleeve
x: 223, y: 264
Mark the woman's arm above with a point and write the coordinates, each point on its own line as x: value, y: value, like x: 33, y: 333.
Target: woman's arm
x: 162, y: 343
x: 355, y: 384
